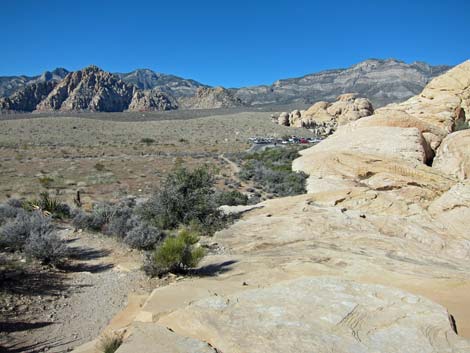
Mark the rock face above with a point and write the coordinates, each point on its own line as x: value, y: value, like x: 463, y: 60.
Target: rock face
x: 311, y: 314
x: 323, y: 117
x: 381, y: 81
x: 26, y: 99
x: 151, y: 100
x: 212, y: 98
x: 453, y: 155
x: 375, y: 258
x: 90, y: 89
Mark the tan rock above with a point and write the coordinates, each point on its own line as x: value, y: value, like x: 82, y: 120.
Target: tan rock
x: 453, y: 155
x: 320, y: 314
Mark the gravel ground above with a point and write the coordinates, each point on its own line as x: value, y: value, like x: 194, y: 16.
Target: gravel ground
x: 77, y: 302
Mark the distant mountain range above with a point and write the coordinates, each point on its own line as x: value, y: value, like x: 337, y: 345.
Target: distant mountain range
x: 381, y: 81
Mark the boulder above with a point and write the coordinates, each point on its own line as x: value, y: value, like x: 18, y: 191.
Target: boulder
x: 453, y: 155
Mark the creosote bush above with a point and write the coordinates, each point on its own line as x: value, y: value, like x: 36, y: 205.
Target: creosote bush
x: 176, y: 254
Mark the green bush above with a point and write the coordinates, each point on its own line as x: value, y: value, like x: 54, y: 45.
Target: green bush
x: 185, y: 196
x: 230, y: 198
x: 271, y: 170
x: 177, y: 253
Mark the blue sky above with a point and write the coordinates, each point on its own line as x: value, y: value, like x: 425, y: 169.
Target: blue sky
x: 229, y: 43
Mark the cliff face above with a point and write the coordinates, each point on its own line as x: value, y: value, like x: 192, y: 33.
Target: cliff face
x: 90, y: 89
x: 381, y: 81
x: 26, y: 99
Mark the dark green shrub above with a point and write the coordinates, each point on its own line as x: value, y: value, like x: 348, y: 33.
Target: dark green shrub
x: 147, y: 140
x: 271, y: 170
x: 230, y: 198
x: 176, y: 254
x: 184, y: 197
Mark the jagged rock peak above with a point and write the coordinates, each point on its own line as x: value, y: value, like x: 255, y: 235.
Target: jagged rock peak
x: 89, y: 89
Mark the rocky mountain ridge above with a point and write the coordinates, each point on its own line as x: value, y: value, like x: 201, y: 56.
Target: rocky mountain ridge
x: 381, y: 81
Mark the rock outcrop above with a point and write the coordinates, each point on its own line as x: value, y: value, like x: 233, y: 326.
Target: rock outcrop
x: 211, y: 98
x: 26, y: 99
x: 90, y: 89
x: 324, y: 117
x: 453, y: 155
x: 151, y: 100
x: 375, y: 258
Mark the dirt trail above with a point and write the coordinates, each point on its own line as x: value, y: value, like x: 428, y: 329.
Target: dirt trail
x: 88, y: 292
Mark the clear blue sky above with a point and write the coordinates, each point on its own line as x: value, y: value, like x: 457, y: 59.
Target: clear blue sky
x: 230, y: 43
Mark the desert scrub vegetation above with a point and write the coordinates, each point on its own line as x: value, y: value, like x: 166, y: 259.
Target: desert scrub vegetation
x: 178, y: 253
x: 170, y: 223
x: 110, y: 343
x: 271, y: 170
x: 49, y: 205
x: 31, y: 233
x: 188, y: 197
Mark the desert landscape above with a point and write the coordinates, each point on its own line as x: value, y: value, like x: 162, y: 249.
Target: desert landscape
x: 278, y: 195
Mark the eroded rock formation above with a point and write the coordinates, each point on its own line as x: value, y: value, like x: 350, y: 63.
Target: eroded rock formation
x: 90, y: 89
x: 324, y: 117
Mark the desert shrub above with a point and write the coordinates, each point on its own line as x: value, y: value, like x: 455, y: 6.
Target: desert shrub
x: 99, y: 167
x: 8, y: 212
x: 110, y: 343
x: 48, y: 204
x: 81, y: 220
x: 13, y: 233
x: 143, y: 237
x: 176, y: 254
x: 34, y: 234
x: 185, y: 196
x: 121, y: 222
x: 147, y: 140
x: 46, y: 182
x: 46, y: 247
x: 271, y: 170
x: 230, y: 198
